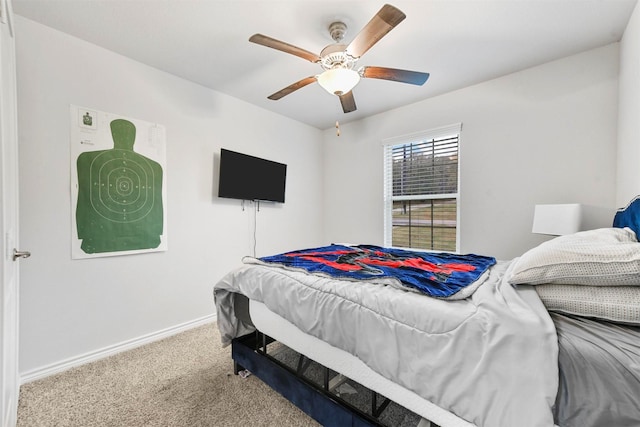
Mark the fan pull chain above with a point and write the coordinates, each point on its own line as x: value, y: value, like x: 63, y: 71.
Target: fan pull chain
x: 337, y: 128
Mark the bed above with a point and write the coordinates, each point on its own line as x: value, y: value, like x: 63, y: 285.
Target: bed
x: 549, y: 338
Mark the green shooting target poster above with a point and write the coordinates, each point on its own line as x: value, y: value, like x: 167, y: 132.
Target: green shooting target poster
x: 118, y: 188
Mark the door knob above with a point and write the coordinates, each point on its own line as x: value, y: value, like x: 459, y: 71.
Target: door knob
x: 20, y: 254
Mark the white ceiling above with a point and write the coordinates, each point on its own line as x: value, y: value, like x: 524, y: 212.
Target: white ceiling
x: 459, y: 43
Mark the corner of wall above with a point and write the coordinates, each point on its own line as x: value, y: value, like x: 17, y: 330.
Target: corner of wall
x: 628, y: 144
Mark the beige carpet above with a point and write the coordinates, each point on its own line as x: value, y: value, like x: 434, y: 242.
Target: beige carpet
x: 185, y: 380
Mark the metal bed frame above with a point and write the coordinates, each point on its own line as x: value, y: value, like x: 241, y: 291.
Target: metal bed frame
x: 253, y: 353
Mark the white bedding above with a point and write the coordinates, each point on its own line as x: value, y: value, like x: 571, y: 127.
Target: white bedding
x: 490, y: 359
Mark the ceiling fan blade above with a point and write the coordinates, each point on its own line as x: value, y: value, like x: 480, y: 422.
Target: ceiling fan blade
x: 402, y: 76
x: 284, y: 47
x: 383, y: 22
x: 348, y: 102
x: 292, y: 88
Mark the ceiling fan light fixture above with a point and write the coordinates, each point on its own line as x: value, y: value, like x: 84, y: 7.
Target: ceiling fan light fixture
x: 338, y: 60
x: 338, y: 81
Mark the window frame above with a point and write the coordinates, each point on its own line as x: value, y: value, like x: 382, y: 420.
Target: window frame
x: 389, y: 199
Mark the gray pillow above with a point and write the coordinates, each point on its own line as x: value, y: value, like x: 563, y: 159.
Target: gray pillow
x: 614, y: 303
x: 602, y: 257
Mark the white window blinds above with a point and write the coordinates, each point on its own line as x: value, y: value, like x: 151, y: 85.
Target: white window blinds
x: 421, y: 189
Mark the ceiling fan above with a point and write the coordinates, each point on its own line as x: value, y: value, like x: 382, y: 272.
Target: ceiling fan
x: 338, y: 60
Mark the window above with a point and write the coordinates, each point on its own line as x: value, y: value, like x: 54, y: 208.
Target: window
x: 421, y: 190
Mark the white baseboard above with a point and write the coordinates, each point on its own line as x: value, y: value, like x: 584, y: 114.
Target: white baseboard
x: 72, y: 362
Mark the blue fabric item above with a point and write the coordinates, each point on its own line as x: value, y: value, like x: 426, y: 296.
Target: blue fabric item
x: 629, y: 217
x: 437, y: 274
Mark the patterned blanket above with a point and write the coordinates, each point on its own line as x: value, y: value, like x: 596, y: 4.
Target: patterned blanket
x: 437, y: 274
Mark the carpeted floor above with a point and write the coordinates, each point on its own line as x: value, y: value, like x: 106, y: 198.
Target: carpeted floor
x: 183, y: 381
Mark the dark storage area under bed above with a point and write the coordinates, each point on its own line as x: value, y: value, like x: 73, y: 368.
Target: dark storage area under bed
x: 326, y: 396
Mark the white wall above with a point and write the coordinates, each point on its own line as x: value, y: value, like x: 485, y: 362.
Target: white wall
x: 72, y: 307
x: 628, y: 184
x: 542, y: 135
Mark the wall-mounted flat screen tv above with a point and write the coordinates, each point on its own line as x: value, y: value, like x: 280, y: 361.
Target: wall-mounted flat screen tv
x: 247, y: 177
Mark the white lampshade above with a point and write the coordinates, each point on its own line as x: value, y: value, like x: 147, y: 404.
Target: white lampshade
x: 557, y: 220
x: 338, y: 81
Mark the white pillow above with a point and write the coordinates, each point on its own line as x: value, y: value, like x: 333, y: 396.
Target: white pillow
x: 614, y: 303
x: 602, y: 257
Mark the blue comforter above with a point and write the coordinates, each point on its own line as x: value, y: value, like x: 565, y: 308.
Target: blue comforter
x: 437, y: 274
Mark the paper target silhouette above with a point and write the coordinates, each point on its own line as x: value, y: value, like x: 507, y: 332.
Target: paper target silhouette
x: 119, y: 205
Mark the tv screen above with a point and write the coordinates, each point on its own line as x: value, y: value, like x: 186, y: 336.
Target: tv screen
x: 250, y: 178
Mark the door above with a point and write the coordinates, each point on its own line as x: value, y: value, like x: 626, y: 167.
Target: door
x: 9, y: 212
